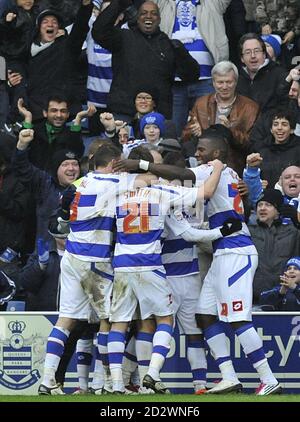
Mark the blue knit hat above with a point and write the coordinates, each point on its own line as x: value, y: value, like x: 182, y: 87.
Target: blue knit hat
x: 293, y: 261
x: 274, y: 41
x: 153, y: 119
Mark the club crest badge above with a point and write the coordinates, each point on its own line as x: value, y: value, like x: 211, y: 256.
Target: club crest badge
x: 21, y: 357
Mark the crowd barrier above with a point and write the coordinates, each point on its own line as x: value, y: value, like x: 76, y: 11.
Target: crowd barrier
x: 23, y: 338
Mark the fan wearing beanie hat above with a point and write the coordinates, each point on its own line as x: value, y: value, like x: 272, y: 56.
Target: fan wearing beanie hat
x: 295, y: 262
x: 149, y: 125
x: 146, y: 100
x: 152, y: 128
x: 272, y: 196
x: 273, y: 44
x: 48, y: 23
x: 285, y: 296
x: 65, y: 167
x: 268, y: 206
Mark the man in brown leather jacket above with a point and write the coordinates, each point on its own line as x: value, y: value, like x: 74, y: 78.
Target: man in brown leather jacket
x: 226, y: 107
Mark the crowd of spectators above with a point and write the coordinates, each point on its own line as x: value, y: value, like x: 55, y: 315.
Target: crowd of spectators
x: 152, y: 73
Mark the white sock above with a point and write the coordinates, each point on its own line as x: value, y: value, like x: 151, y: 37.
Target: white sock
x: 217, y: 341
x: 102, y: 338
x: 55, y: 348
x: 84, y: 353
x: 115, y: 347
x: 98, y: 375
x: 253, y: 348
x: 161, y: 346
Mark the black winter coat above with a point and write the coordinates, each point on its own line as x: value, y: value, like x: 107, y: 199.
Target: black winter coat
x: 275, y: 245
x: 268, y: 88
x: 17, y: 35
x: 139, y: 59
x: 54, y: 70
x: 41, y: 151
x: 272, y: 300
x: 46, y: 190
x: 13, y: 207
x: 276, y: 157
x: 41, y: 286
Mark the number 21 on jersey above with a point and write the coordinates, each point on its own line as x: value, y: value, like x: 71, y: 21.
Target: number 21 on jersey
x: 137, y: 220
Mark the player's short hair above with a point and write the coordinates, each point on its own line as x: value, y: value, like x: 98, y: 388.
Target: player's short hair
x: 217, y: 140
x: 140, y: 153
x: 96, y: 144
x: 105, y: 154
x: 175, y: 158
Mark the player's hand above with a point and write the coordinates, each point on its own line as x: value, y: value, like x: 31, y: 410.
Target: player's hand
x: 242, y: 188
x: 217, y: 165
x: 125, y: 165
x: 231, y: 225
x: 66, y: 200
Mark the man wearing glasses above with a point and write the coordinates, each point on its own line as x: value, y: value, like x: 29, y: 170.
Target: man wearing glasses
x: 260, y: 78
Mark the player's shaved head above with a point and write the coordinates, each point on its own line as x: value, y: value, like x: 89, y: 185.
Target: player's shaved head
x: 215, y: 142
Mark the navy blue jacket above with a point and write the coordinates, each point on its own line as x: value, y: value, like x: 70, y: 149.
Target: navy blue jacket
x: 272, y: 300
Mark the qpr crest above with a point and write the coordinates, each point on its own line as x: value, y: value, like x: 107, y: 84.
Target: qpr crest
x: 16, y: 367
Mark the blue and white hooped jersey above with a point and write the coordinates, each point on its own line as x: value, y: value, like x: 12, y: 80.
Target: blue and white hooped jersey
x: 226, y: 203
x: 185, y: 29
x: 179, y: 257
x: 140, y: 222
x: 92, y: 218
x: 99, y: 71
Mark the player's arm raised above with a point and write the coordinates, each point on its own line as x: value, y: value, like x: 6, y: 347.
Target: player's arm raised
x: 210, y: 185
x: 162, y: 170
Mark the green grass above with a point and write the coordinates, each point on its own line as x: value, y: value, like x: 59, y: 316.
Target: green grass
x: 188, y: 398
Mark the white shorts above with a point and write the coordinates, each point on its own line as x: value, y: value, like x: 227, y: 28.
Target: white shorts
x: 227, y: 288
x: 147, y: 289
x: 85, y: 287
x: 186, y: 292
